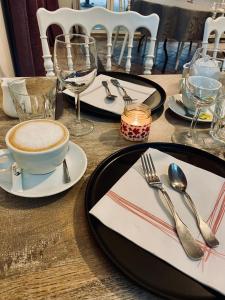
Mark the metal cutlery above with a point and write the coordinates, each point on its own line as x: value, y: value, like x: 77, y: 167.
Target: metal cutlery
x: 190, y: 245
x: 126, y: 97
x: 179, y: 182
x: 109, y: 96
x: 17, y: 183
x: 66, y: 174
x: 186, y: 111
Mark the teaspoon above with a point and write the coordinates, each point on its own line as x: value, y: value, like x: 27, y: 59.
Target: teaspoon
x: 179, y: 183
x: 109, y: 96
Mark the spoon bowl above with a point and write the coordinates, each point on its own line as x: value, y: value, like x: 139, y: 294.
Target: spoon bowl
x: 177, y: 178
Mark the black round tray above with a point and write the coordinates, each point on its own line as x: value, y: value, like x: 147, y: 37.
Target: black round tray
x: 155, y: 101
x: 141, y: 266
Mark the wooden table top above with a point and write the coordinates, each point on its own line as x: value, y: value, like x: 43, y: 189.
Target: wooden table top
x: 46, y: 248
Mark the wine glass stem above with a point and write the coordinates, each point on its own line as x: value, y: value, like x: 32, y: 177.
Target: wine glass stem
x: 77, y: 107
x: 192, y: 132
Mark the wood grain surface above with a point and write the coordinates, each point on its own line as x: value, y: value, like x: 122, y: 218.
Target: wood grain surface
x: 46, y: 248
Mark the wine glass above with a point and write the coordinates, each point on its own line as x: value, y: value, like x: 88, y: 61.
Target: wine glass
x: 207, y: 62
x: 75, y: 62
x: 203, y: 92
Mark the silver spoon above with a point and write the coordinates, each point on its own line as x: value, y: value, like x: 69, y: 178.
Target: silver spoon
x: 109, y: 96
x: 66, y: 174
x: 179, y: 182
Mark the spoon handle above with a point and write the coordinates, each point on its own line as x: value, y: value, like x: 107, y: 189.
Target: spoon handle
x: 66, y: 174
x: 190, y: 245
x: 204, y: 228
x: 105, y: 84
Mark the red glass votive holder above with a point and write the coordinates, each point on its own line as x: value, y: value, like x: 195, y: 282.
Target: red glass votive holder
x: 135, y: 122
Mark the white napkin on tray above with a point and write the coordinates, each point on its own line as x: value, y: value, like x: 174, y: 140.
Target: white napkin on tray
x: 136, y: 211
x: 95, y: 94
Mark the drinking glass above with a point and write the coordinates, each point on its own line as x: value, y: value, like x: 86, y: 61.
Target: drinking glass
x: 217, y: 130
x: 34, y: 98
x: 203, y: 92
x: 75, y: 62
x: 207, y: 62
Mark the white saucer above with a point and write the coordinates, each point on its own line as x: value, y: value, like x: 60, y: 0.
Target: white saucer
x: 180, y: 111
x: 36, y: 186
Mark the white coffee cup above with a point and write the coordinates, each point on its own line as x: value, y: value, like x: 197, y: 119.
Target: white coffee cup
x: 37, y: 146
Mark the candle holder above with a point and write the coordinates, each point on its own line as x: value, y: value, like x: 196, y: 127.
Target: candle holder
x: 135, y: 122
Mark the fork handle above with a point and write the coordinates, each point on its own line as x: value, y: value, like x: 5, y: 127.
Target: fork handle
x: 117, y: 84
x: 191, y: 247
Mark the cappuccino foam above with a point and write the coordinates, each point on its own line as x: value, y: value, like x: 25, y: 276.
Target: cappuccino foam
x: 38, y: 135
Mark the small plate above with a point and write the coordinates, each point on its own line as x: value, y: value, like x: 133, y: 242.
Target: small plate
x: 37, y: 186
x: 180, y: 111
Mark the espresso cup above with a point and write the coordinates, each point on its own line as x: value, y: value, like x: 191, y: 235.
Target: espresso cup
x: 37, y: 146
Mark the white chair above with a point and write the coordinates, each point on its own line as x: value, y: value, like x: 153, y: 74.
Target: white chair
x: 89, y: 18
x: 213, y: 25
x: 122, y: 7
x: 217, y: 26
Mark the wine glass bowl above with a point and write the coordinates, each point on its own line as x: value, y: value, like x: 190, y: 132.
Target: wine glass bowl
x: 75, y: 62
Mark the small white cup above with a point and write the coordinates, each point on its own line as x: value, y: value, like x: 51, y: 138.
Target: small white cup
x: 41, y: 162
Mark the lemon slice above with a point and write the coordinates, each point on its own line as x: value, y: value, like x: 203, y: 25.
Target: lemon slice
x: 205, y: 116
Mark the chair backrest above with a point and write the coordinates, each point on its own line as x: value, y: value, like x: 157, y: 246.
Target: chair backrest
x: 66, y: 18
x: 213, y: 25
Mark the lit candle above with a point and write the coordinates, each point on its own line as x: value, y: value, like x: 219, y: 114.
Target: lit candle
x: 135, y: 122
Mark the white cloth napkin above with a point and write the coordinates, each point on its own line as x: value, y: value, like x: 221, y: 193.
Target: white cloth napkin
x: 137, y: 212
x: 95, y: 94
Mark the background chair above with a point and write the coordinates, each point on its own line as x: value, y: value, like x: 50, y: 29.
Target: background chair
x: 122, y: 7
x: 216, y: 26
x: 66, y: 18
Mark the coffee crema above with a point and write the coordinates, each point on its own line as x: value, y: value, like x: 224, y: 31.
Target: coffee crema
x: 38, y: 135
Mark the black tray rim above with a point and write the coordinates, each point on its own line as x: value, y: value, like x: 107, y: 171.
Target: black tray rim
x: 99, y: 111
x: 100, y: 166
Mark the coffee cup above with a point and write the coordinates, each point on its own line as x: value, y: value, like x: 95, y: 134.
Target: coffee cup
x: 38, y: 146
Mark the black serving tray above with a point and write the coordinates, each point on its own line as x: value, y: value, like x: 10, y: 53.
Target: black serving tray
x: 141, y: 266
x: 155, y: 101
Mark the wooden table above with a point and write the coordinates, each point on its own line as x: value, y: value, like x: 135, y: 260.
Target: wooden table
x: 46, y: 249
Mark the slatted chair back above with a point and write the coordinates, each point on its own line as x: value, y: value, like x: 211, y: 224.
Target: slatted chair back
x: 66, y: 18
x: 213, y: 25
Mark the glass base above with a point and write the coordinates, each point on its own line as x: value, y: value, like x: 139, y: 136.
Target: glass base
x: 83, y: 127
x: 202, y: 139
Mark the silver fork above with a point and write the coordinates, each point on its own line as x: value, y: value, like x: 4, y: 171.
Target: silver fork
x: 191, y: 247
x: 126, y: 97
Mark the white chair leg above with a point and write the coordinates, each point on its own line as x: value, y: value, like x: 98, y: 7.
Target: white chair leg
x: 149, y: 56
x: 130, y: 46
x: 123, y: 48
x: 180, y: 49
x: 115, y: 38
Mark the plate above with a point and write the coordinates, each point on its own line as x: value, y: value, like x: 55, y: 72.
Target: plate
x: 155, y: 101
x: 180, y: 111
x: 141, y: 266
x: 37, y: 186
x: 95, y: 94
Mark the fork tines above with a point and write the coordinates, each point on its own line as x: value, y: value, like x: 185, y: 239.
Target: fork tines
x: 148, y: 166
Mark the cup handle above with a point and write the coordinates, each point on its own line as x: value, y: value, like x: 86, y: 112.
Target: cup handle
x: 5, y: 162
